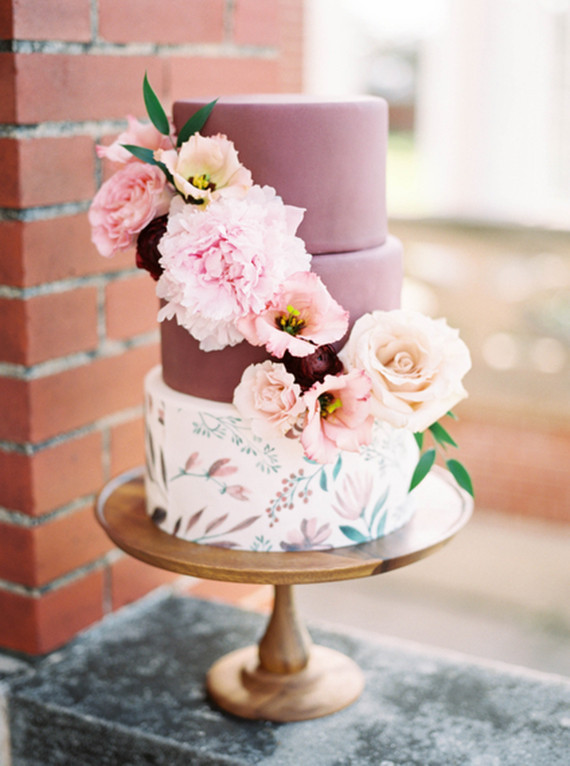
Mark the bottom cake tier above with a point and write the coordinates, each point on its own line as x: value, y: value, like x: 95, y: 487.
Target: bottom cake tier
x: 210, y: 480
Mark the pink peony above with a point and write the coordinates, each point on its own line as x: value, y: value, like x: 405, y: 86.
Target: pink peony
x: 268, y: 395
x: 206, y: 168
x: 125, y: 204
x: 338, y: 416
x: 227, y: 260
x: 137, y: 134
x: 302, y: 316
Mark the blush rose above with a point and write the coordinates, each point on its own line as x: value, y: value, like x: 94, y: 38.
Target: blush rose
x: 125, y: 204
x: 416, y: 365
x: 268, y: 395
x: 137, y: 134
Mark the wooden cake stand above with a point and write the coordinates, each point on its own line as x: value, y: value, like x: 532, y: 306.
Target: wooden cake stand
x: 285, y: 677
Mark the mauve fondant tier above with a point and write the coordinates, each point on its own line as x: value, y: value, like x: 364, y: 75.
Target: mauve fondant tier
x: 360, y: 281
x: 328, y: 157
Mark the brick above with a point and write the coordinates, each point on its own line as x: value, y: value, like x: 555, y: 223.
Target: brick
x: 37, y: 252
x: 179, y: 21
x: 37, y: 625
x: 127, y: 446
x: 11, y: 261
x: 66, y: 544
x: 16, y: 553
x: 6, y: 21
x: 7, y: 85
x: 51, y: 20
x: 131, y: 307
x: 35, y: 556
x: 16, y: 490
x: 36, y: 410
x: 80, y: 87
x: 14, y: 409
x: 256, y: 23
x: 40, y: 328
x: 47, y: 171
x: 131, y: 579
x: 27, y: 481
x: 193, y: 77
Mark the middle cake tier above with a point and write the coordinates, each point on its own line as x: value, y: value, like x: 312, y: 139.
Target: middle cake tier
x: 361, y: 281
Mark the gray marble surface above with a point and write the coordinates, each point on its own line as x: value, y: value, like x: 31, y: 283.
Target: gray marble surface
x: 131, y: 692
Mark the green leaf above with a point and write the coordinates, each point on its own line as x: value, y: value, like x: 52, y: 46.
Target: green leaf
x: 195, y: 123
x: 147, y: 155
x: 154, y: 109
x: 451, y: 415
x: 461, y: 476
x: 379, y: 504
x: 423, y: 467
x: 338, y: 466
x: 353, y: 534
x: 441, y: 436
x: 323, y: 481
x: 141, y: 153
x: 419, y: 437
x: 381, y: 524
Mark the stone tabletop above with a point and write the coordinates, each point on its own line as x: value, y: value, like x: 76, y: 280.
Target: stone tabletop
x: 130, y: 692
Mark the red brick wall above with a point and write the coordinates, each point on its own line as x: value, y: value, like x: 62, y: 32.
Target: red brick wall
x: 78, y: 331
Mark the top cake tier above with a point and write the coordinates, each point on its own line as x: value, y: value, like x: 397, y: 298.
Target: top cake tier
x: 328, y: 157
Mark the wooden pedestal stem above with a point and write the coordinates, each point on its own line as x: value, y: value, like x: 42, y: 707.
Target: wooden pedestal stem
x: 286, y: 645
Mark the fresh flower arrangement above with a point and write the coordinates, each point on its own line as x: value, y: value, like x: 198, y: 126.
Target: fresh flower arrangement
x: 229, y: 267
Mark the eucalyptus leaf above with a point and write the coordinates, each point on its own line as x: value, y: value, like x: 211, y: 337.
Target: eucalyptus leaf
x: 323, y: 481
x: 353, y: 534
x: 461, y: 476
x: 423, y: 467
x: 195, y: 123
x: 441, y: 435
x: 154, y: 109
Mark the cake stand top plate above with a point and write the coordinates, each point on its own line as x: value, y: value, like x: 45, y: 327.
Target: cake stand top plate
x: 442, y: 510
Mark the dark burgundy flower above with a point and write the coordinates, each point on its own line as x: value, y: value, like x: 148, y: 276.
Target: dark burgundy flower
x: 311, y: 369
x: 147, y: 246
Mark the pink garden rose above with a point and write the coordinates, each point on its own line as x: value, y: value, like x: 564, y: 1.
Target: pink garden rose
x: 125, y: 204
x: 268, y: 395
x: 415, y: 363
x: 226, y: 261
x: 338, y: 416
x: 206, y: 168
x: 137, y: 134
x: 302, y: 316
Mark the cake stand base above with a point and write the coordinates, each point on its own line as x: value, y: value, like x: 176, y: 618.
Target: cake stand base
x: 329, y: 682
x: 285, y: 678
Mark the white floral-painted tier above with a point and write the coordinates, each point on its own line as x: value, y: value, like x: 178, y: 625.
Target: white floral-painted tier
x: 210, y: 480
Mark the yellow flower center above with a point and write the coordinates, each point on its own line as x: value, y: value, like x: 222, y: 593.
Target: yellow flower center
x: 328, y: 404
x: 202, y: 182
x: 290, y: 322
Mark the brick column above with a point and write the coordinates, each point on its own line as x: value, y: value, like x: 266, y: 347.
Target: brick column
x: 77, y: 331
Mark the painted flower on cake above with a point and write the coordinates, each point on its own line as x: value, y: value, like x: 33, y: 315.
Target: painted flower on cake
x: 227, y: 260
x: 125, y: 204
x: 137, y: 134
x: 205, y: 168
x: 268, y: 396
x: 309, y: 537
x: 302, y: 316
x: 416, y: 365
x: 338, y: 416
x: 353, y: 496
